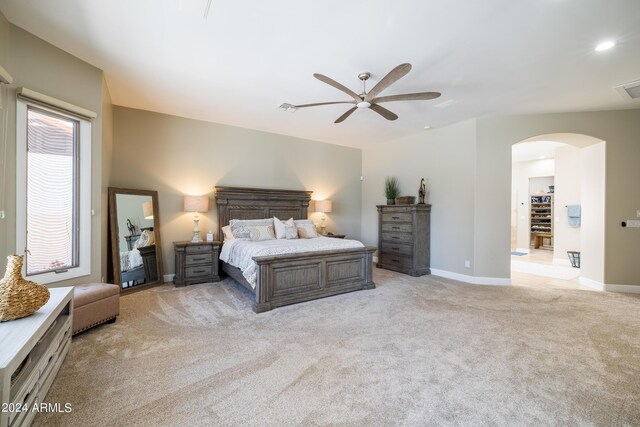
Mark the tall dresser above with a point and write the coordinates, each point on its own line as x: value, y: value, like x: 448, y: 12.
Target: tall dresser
x: 404, y: 235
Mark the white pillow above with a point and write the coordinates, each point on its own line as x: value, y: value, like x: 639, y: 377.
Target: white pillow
x: 281, y: 228
x: 261, y: 232
x: 241, y: 228
x: 306, y: 229
x: 226, y: 232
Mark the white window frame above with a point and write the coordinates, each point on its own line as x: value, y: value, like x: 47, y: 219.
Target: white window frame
x: 84, y: 193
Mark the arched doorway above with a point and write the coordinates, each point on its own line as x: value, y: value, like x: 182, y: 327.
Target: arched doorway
x: 557, y: 206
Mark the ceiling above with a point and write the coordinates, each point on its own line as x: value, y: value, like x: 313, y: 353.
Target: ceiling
x: 538, y: 150
x: 487, y: 57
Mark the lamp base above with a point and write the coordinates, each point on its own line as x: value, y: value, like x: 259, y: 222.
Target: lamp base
x: 196, y: 231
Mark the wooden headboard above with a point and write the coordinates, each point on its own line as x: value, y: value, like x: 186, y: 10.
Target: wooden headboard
x: 259, y: 203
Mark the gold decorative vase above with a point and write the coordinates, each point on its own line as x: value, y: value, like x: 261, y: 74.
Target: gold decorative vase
x: 19, y: 297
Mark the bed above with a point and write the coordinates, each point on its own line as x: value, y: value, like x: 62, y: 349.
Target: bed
x: 291, y: 278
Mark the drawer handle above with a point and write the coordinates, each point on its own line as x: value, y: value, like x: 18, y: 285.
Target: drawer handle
x: 395, y: 217
x: 200, y: 259
x: 395, y: 237
x: 396, y: 249
x: 395, y: 260
x: 396, y: 228
x: 200, y: 271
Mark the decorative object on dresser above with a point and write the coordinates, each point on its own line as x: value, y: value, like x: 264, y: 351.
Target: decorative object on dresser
x: 19, y: 297
x: 196, y: 262
x: 391, y: 189
x: 94, y: 304
x: 423, y: 192
x: 324, y: 206
x: 404, y: 238
x: 196, y: 204
x: 136, y: 258
x: 405, y: 200
x: 32, y: 350
x: 296, y: 277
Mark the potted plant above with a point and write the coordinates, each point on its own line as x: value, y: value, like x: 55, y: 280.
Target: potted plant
x: 391, y: 189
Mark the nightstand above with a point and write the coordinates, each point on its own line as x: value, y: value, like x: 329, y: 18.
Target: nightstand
x: 196, y: 262
x: 337, y: 236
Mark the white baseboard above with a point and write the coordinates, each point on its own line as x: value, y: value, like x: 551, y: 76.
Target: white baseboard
x: 523, y: 250
x: 475, y: 280
x: 594, y: 285
x: 169, y: 277
x: 562, y: 261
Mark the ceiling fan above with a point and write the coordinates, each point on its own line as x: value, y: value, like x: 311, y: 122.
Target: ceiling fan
x: 371, y: 99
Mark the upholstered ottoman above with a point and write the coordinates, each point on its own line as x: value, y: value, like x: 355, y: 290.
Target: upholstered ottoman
x: 94, y: 304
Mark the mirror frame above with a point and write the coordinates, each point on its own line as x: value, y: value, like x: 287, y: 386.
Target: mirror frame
x: 114, y: 236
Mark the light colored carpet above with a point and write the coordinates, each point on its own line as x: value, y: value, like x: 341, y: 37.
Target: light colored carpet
x: 414, y: 351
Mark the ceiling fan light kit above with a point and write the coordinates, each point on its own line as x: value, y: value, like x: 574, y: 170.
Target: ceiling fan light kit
x: 370, y: 100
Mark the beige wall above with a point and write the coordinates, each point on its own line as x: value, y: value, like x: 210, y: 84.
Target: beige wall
x: 38, y: 65
x: 444, y: 156
x: 620, y: 130
x: 592, y: 238
x: 568, y: 188
x: 178, y: 156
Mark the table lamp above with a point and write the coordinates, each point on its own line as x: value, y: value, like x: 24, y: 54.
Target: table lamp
x: 147, y: 210
x: 197, y: 204
x: 324, y: 206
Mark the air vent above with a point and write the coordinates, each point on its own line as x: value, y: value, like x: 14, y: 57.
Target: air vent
x: 629, y: 90
x: 287, y: 107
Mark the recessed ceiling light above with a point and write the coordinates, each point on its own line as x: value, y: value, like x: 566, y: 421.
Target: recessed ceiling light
x: 427, y: 127
x: 605, y: 45
x: 541, y: 157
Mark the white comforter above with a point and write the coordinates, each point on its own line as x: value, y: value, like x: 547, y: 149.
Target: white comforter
x: 239, y: 253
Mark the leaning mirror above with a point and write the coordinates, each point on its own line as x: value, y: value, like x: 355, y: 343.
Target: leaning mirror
x: 136, y: 254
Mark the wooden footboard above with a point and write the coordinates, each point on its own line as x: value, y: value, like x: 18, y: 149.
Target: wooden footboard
x: 294, y: 278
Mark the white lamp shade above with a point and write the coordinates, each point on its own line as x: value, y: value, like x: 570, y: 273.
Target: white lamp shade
x: 196, y: 203
x: 147, y: 210
x: 324, y: 206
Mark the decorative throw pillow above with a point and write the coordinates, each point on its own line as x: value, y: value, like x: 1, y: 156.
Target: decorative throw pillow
x: 306, y: 229
x: 261, y: 232
x: 281, y: 227
x: 290, y: 232
x: 226, y: 232
x: 240, y: 228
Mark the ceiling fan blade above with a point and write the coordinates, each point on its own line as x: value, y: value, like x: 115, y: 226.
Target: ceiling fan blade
x: 323, y: 103
x: 393, y: 76
x: 345, y: 115
x: 338, y: 86
x: 418, y: 96
x: 383, y: 112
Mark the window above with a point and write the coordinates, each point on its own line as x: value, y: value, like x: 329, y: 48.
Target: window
x: 53, y: 193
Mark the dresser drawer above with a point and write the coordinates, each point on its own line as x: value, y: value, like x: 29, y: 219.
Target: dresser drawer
x: 199, y: 271
x: 193, y: 259
x: 396, y: 236
x: 193, y: 249
x: 397, y: 217
x: 397, y: 248
x: 394, y: 260
x: 396, y: 226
